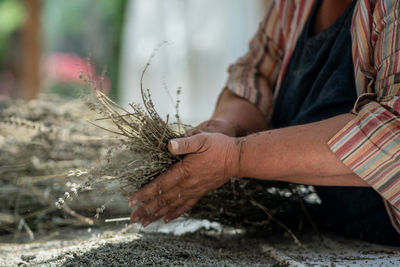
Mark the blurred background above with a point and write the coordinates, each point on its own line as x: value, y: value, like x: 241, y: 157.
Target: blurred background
x: 45, y: 44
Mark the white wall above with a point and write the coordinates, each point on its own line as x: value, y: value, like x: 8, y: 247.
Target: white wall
x: 205, y: 36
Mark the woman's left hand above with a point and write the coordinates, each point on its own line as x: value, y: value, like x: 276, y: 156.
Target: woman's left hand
x: 211, y: 160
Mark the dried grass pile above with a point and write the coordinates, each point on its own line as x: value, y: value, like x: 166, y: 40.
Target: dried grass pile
x: 64, y: 155
x: 42, y: 143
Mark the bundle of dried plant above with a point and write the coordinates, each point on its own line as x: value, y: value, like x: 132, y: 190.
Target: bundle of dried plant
x: 141, y: 150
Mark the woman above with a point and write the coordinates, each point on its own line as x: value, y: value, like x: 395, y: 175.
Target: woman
x: 308, y: 65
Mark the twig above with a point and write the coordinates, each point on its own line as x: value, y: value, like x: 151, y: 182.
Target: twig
x: 126, y: 229
x: 64, y: 207
x: 295, y: 239
x: 307, y: 214
x: 6, y: 218
x: 76, y: 215
x: 23, y: 224
x: 117, y: 219
x: 35, y: 179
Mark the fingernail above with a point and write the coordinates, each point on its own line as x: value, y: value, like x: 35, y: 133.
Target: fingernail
x: 133, y: 203
x: 174, y: 145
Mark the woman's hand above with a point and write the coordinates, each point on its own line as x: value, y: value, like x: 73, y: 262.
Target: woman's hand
x: 212, y: 158
x: 215, y: 126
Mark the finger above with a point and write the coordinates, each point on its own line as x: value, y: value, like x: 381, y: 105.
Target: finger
x: 142, y: 212
x: 193, y: 131
x: 162, y: 183
x: 198, y: 129
x: 178, y: 212
x: 162, y: 212
x: 153, y: 206
x: 148, y: 220
x: 186, y: 145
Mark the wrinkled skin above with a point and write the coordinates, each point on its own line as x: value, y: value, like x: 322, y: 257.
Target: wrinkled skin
x: 215, y: 126
x: 211, y: 159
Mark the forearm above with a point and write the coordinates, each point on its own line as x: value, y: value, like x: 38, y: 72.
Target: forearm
x: 297, y: 154
x: 242, y: 114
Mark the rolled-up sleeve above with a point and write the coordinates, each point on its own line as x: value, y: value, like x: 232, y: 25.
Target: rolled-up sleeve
x: 254, y: 75
x: 370, y: 144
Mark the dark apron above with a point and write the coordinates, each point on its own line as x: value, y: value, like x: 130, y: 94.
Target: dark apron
x: 319, y: 84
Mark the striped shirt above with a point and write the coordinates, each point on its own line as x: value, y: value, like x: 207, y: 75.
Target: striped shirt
x: 369, y: 144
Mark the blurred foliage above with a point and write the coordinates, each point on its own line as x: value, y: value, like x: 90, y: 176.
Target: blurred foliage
x: 12, y: 16
x: 86, y: 28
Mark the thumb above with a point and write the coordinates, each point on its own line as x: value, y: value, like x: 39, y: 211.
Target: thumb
x: 186, y: 145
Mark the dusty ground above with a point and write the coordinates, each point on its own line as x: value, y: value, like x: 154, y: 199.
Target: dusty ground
x: 103, y: 247
x: 109, y: 247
